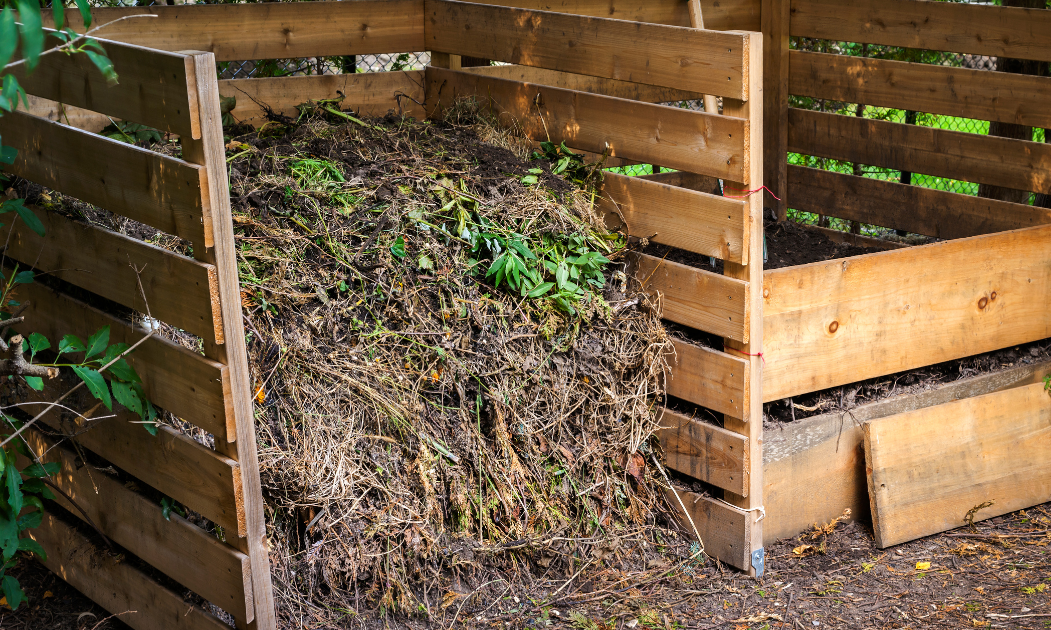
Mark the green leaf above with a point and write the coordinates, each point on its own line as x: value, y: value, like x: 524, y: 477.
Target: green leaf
x: 529, y: 180
x: 104, y: 65
x: 35, y: 382
x: 58, y: 12
x: 540, y: 289
x: 30, y: 218
x: 85, y: 12
x: 34, y: 486
x: 398, y: 248
x: 13, y: 483
x: 8, y: 36
x: 8, y: 155
x: 8, y: 535
x: 97, y: 343
x: 32, y: 519
x: 70, y: 343
x: 121, y: 370
x: 36, y: 471
x: 96, y: 384
x: 31, y: 546
x: 38, y: 343
x: 562, y: 275
x: 127, y: 396
x: 24, y: 277
x: 32, y: 32
x: 13, y: 592
x: 425, y: 263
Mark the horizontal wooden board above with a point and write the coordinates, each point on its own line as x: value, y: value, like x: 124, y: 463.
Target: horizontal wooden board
x: 153, y: 87
x: 858, y: 240
x: 724, y: 529
x: 705, y: 451
x: 196, y: 476
x: 114, y: 584
x: 915, y: 209
x: 709, y: 378
x: 928, y: 469
x: 841, y: 321
x: 719, y: 15
x: 368, y: 93
x: 966, y: 156
x: 271, y: 30
x: 684, y: 179
x: 173, y: 378
x: 963, y: 28
x: 697, y: 222
x: 160, y: 191
x: 693, y: 297
x: 653, y: 134
x: 585, y: 83
x: 709, y: 62
x: 1002, y: 96
x: 67, y: 114
x: 180, y: 290
x: 179, y: 549
x: 814, y: 468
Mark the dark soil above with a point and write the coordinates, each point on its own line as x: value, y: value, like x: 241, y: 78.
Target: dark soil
x: 53, y: 604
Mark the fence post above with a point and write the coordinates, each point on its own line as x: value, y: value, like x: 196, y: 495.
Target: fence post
x: 775, y: 24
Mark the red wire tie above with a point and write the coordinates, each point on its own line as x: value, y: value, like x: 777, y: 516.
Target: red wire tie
x: 757, y: 354
x: 749, y: 193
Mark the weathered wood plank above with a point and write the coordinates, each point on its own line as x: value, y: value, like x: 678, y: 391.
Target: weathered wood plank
x: 927, y: 469
x: 723, y: 528
x: 697, y: 222
x: 115, y: 585
x: 67, y: 114
x: 173, y: 378
x: 705, y: 451
x: 693, y: 297
x: 709, y: 62
x: 841, y: 321
x: 369, y: 93
x: 937, y: 213
x: 179, y: 549
x: 160, y: 191
x: 585, y: 83
x: 651, y: 134
x: 180, y: 290
x: 236, y: 32
x: 815, y: 467
x: 152, y: 89
x: 1011, y: 98
x: 719, y: 15
x: 964, y: 28
x: 193, y: 475
x: 684, y: 179
x: 776, y: 16
x: 709, y: 378
x: 966, y: 156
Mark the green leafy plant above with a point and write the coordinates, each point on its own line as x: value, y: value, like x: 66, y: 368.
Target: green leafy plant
x: 21, y: 509
x: 566, y: 163
x: 132, y: 133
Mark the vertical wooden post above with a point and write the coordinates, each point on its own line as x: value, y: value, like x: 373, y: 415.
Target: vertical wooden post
x: 775, y: 24
x: 752, y: 271
x: 209, y: 152
x: 697, y: 21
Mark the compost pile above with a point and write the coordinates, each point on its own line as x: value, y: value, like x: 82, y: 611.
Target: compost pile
x: 455, y: 383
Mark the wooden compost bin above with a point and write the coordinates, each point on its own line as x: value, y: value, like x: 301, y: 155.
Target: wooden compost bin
x: 187, y: 198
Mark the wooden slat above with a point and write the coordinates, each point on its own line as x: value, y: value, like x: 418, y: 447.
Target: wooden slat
x: 180, y: 290
x: 857, y: 240
x: 651, y: 134
x: 173, y: 378
x: 179, y: 549
x: 209, y: 151
x: 683, y: 179
x: 694, y: 297
x: 815, y: 467
x: 193, y: 475
x: 369, y: 93
x: 719, y: 15
x: 705, y: 451
x: 776, y: 16
x: 710, y: 378
x: 1011, y: 98
x: 842, y: 321
x: 151, y: 188
x: 116, y: 585
x: 694, y: 221
x: 963, y: 28
x: 966, y: 156
x: 915, y: 209
x: 152, y: 89
x: 67, y: 114
x: 585, y: 83
x: 927, y: 469
x: 708, y: 62
x: 723, y: 529
x: 269, y: 30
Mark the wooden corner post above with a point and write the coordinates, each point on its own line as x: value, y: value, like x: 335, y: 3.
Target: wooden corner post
x: 208, y: 151
x: 776, y: 15
x: 751, y: 426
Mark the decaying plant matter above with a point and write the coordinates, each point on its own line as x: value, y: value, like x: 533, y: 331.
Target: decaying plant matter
x: 453, y: 378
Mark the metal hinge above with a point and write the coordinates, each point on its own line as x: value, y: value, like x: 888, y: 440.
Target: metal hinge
x: 759, y: 561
